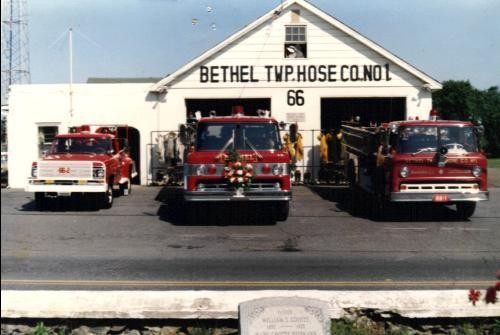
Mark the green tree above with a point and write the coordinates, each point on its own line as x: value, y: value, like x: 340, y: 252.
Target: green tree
x: 456, y: 100
x: 489, y: 111
x: 459, y: 100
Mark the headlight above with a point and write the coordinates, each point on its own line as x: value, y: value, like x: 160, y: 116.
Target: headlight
x: 34, y: 171
x: 404, y: 172
x: 201, y: 170
x: 476, y: 171
x: 98, y: 172
x: 277, y: 169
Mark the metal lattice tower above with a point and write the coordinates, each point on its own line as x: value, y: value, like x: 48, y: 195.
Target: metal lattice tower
x: 15, y: 47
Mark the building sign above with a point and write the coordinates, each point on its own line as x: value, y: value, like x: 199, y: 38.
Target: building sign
x: 295, y: 117
x: 294, y: 73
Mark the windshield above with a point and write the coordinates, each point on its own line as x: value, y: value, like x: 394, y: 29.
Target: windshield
x: 81, y: 145
x: 238, y: 136
x: 428, y: 139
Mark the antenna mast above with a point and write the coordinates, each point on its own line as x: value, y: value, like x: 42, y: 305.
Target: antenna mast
x: 15, y: 45
x: 71, y: 73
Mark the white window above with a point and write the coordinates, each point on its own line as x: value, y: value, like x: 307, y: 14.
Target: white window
x: 46, y: 136
x: 295, y: 42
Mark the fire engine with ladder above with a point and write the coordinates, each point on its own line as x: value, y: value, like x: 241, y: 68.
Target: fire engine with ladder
x: 418, y: 161
x: 84, y: 163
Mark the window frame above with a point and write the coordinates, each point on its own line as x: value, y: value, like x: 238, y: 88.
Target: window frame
x: 298, y: 42
x: 45, y: 144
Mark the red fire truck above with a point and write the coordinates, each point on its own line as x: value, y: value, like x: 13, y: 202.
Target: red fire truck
x: 240, y: 159
x: 84, y: 163
x: 418, y: 161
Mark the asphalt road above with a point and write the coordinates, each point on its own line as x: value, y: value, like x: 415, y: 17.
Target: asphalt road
x: 142, y: 243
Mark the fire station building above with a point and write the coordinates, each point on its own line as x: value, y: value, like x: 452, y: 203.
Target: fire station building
x: 296, y: 61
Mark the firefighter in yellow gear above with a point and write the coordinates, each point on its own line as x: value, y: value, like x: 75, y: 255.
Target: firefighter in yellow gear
x: 294, y: 144
x: 289, y: 146
x: 323, y: 146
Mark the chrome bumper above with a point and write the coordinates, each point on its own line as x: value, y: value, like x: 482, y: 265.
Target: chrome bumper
x: 231, y: 196
x: 429, y: 196
x: 67, y: 189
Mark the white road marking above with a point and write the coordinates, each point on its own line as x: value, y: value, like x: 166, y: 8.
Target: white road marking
x: 464, y: 229
x: 409, y: 228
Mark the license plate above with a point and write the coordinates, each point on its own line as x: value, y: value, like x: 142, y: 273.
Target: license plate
x: 440, y: 198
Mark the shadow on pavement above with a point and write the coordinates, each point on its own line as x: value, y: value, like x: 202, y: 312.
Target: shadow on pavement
x: 63, y: 204
x: 74, y: 203
x: 360, y: 204
x: 177, y: 212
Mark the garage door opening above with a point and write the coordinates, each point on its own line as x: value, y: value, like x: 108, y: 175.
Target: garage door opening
x: 134, y: 148
x: 223, y: 107
x: 336, y: 110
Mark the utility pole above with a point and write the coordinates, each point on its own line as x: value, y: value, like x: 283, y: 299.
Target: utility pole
x: 15, y: 45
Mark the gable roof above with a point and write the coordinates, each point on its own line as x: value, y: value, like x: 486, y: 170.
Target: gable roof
x: 120, y: 80
x: 429, y: 82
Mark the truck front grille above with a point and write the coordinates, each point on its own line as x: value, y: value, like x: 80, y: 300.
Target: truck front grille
x: 446, y: 188
x: 64, y: 170
x: 254, y: 187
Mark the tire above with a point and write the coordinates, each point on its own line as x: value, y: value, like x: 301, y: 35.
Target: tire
x: 40, y: 201
x: 107, y: 197
x: 126, y: 188
x: 380, y: 209
x: 195, y: 213
x: 466, y: 209
x: 282, y: 210
x: 351, y: 173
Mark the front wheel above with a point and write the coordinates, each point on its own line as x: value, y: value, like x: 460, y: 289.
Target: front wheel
x: 195, y: 213
x: 283, y: 210
x: 465, y: 209
x: 107, y: 197
x: 351, y: 174
x: 126, y: 188
x: 40, y: 201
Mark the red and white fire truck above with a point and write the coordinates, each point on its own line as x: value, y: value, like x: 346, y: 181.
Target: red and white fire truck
x: 84, y: 162
x: 259, y: 172
x: 417, y: 161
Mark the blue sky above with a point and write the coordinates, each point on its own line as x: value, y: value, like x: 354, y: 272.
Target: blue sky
x: 447, y: 39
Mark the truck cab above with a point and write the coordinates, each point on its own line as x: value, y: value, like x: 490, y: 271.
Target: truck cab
x: 224, y: 143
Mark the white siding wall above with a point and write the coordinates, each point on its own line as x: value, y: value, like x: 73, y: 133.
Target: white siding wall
x: 326, y: 45
x: 34, y: 105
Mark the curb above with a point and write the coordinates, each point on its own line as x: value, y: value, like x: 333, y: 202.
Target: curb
x: 224, y: 304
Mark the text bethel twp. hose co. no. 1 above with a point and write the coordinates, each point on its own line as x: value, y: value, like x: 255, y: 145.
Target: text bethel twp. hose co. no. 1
x: 294, y: 73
